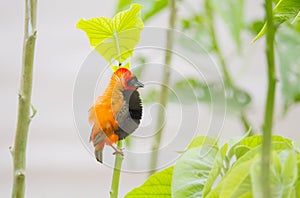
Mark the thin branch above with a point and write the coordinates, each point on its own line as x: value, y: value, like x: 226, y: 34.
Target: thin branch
x: 247, y: 125
x: 20, y: 143
x: 226, y: 75
x: 270, y: 100
x: 164, y: 89
x: 117, y: 171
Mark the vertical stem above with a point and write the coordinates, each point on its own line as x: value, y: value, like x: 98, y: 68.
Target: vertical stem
x: 164, y: 89
x: 269, y: 109
x: 117, y: 171
x: 24, y: 118
x: 226, y: 75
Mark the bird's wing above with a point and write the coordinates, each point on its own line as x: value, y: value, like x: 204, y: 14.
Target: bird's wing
x: 129, y: 115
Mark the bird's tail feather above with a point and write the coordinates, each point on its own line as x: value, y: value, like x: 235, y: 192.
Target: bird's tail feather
x: 99, y: 155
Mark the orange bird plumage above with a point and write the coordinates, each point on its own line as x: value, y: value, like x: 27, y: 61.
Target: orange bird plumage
x: 117, y: 113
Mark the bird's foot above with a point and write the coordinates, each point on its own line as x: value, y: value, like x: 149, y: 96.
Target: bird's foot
x: 118, y: 151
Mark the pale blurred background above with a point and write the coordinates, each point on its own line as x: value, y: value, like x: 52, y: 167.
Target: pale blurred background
x: 58, y: 164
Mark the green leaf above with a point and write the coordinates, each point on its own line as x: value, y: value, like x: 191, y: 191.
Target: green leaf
x: 150, y: 8
x: 283, y: 175
x: 115, y: 38
x: 243, y: 177
x: 289, y: 171
x: 256, y: 140
x: 216, y: 169
x: 192, y: 171
x: 241, y: 145
x: 289, y: 192
x: 240, y: 150
x: 232, y: 12
x: 202, y: 140
x: 123, y: 4
x: 255, y: 26
x: 276, y: 146
x: 297, y: 186
x: 191, y: 89
x: 233, y: 142
x: 283, y: 11
x: 296, y: 146
x: 236, y: 183
x: 157, y: 185
x: 288, y: 49
x: 256, y: 178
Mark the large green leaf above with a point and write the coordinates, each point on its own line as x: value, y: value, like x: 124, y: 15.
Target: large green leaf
x: 192, y: 171
x: 157, y: 185
x: 288, y: 49
x: 249, y: 143
x: 150, y: 8
x: 256, y: 140
x: 283, y: 11
x: 283, y: 175
x: 252, y: 153
x: 115, y: 38
x: 236, y: 183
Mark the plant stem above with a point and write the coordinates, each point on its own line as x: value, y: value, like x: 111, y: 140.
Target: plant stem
x: 117, y: 171
x: 226, y: 75
x: 246, y: 123
x: 164, y: 89
x: 24, y: 118
x: 270, y: 100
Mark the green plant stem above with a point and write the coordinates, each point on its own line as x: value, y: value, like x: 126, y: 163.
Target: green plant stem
x: 24, y: 117
x: 270, y: 100
x: 117, y: 171
x: 246, y: 123
x: 164, y: 89
x: 227, y: 78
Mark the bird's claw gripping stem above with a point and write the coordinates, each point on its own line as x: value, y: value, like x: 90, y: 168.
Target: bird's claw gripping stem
x: 118, y: 151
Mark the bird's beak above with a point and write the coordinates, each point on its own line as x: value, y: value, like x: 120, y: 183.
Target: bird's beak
x: 138, y: 84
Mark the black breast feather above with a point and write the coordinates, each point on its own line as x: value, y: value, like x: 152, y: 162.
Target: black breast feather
x: 130, y: 114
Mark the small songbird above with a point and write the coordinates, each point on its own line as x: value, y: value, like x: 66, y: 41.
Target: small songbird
x: 117, y: 113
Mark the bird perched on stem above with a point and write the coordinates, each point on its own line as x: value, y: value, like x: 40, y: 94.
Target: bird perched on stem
x: 117, y: 113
